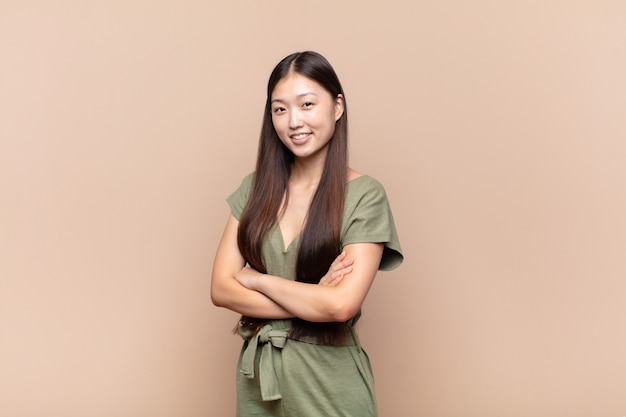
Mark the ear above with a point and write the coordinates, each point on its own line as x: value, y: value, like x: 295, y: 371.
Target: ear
x: 339, y: 107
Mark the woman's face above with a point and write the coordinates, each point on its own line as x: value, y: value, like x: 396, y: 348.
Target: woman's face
x: 304, y: 115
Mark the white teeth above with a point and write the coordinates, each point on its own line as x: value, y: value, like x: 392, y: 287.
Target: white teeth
x: 300, y: 136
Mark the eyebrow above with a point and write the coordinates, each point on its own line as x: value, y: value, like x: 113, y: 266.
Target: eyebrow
x: 298, y: 96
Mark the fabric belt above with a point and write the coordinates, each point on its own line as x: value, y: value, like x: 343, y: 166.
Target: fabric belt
x: 267, y: 339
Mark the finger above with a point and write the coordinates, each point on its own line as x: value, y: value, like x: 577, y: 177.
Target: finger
x: 332, y: 278
x: 336, y: 280
x: 339, y: 276
x: 340, y: 265
x: 346, y: 271
x: 326, y: 280
x: 343, y: 268
x: 339, y: 258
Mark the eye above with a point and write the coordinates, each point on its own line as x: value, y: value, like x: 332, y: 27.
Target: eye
x: 307, y: 105
x: 279, y: 110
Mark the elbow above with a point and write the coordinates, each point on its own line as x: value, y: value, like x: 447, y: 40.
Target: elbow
x: 343, y: 306
x: 216, y: 301
x: 217, y: 297
x: 344, y: 312
x: 221, y: 289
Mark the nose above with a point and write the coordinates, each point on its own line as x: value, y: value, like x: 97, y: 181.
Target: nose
x: 295, y: 120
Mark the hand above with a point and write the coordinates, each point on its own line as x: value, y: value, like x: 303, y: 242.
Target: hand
x: 247, y: 277
x: 337, y: 271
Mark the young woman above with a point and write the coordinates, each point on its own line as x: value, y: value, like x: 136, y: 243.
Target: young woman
x: 301, y: 248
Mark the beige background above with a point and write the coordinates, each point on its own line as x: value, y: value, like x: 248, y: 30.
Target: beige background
x: 497, y: 128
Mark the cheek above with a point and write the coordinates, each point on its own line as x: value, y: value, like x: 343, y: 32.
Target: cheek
x: 277, y: 124
x: 322, y: 120
x: 330, y: 122
x: 281, y: 131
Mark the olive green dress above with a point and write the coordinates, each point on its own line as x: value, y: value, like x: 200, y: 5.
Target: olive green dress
x: 279, y: 376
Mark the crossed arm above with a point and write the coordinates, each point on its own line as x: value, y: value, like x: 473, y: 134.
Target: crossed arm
x: 337, y: 297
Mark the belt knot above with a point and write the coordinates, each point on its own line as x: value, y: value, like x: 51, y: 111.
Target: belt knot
x: 269, y: 338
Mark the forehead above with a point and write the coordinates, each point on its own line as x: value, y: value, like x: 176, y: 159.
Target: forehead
x: 296, y: 85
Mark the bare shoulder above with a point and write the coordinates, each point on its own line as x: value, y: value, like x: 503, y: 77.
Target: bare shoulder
x: 352, y: 174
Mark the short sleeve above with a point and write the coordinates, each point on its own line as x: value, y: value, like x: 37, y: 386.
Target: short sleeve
x: 237, y: 200
x: 368, y: 219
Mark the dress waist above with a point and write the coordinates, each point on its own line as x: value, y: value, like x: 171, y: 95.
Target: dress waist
x: 269, y: 338
x: 283, y: 327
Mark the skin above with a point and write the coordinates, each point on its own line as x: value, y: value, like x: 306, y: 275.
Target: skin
x: 304, y: 116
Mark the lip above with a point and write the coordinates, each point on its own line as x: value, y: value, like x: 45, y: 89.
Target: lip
x: 300, y: 138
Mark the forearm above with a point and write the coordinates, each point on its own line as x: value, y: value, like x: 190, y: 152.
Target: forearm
x: 310, y: 302
x: 322, y: 303
x: 227, y: 292
x: 232, y: 295
x: 253, y: 294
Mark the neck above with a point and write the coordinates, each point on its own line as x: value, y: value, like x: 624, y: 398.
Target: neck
x: 307, y: 170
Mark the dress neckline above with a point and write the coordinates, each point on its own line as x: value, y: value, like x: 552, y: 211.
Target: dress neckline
x: 286, y: 247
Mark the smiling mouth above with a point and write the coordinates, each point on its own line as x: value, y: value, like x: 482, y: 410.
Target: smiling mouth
x: 299, y: 136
